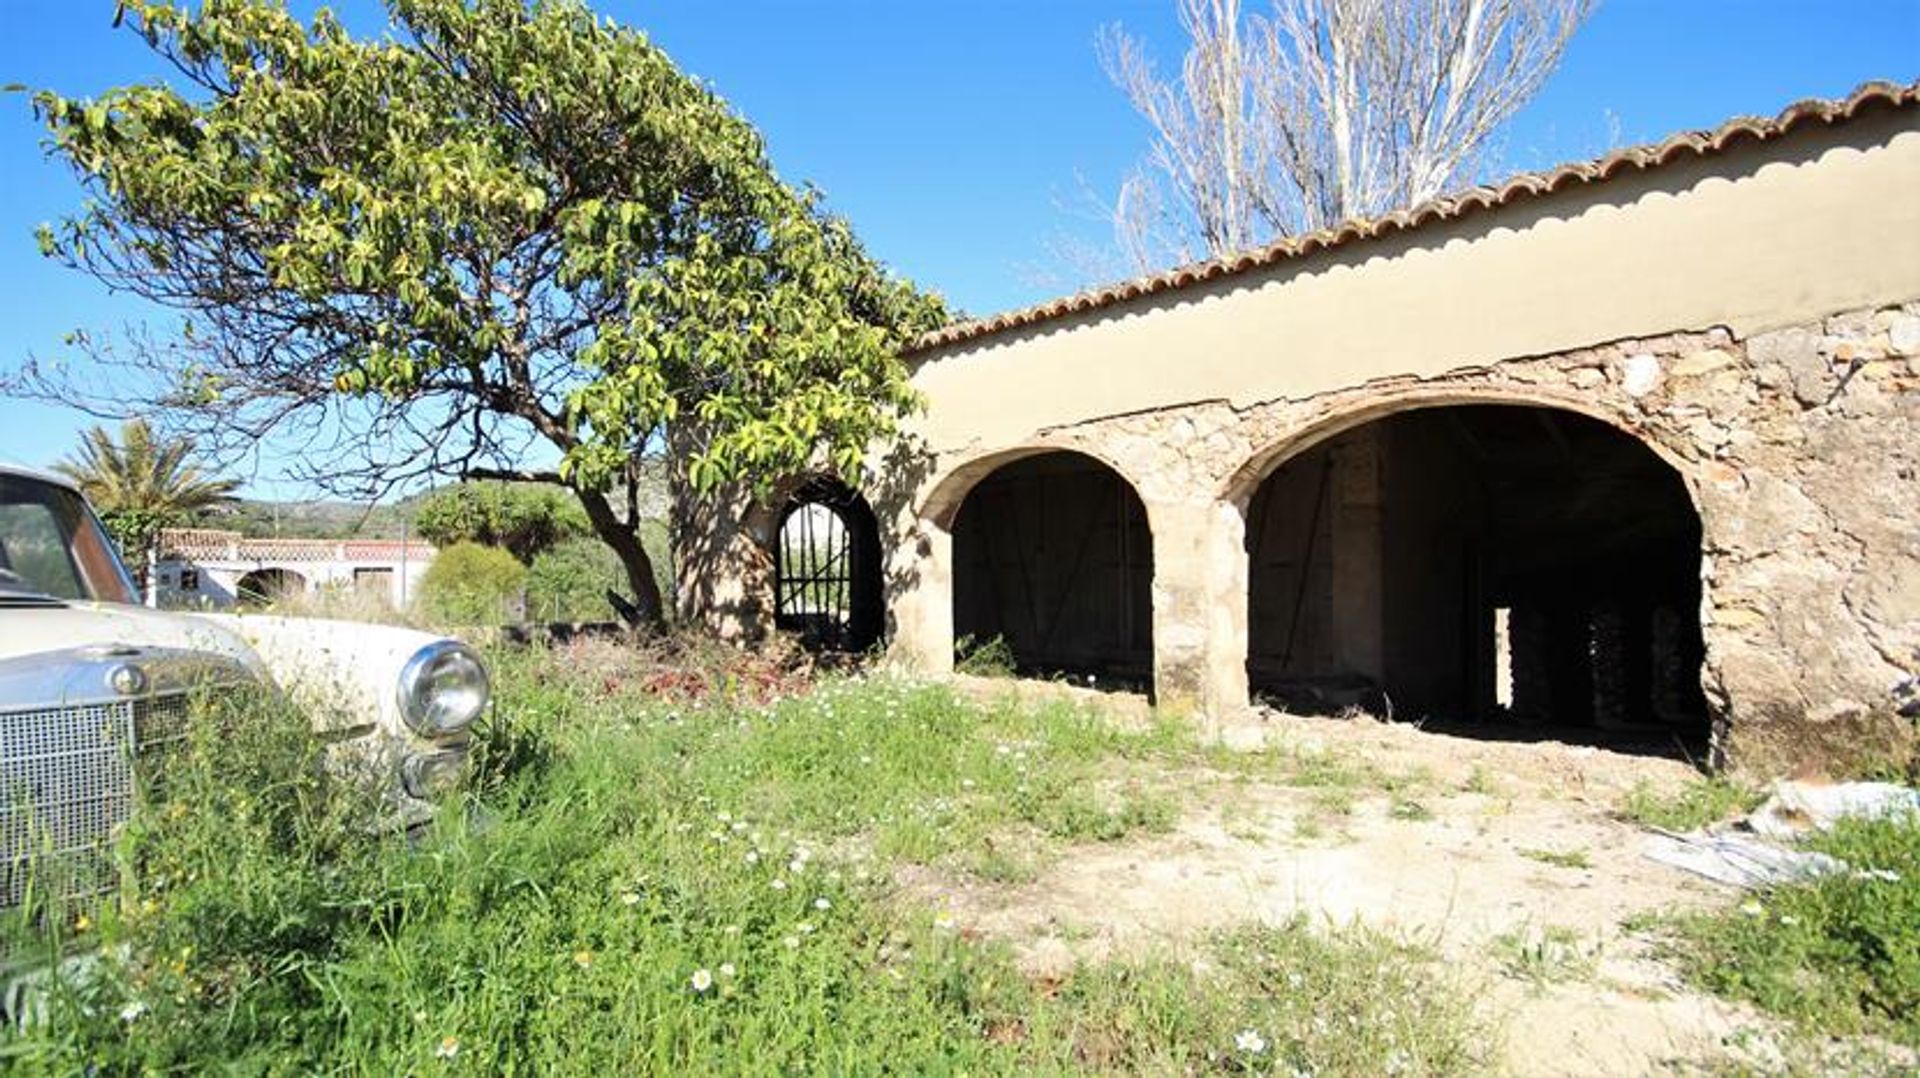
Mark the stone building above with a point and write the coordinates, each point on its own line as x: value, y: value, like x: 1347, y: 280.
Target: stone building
x: 1629, y: 446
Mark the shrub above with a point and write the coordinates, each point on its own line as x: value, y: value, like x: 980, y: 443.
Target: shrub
x: 470, y: 584
x: 570, y: 581
x: 525, y: 518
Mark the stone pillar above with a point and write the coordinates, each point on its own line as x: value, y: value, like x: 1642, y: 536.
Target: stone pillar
x: 919, y: 584
x: 1199, y: 608
x: 1179, y: 603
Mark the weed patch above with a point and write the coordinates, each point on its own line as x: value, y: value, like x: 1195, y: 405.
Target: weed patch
x: 1547, y: 955
x: 1839, y: 954
x: 1559, y: 858
x: 690, y: 882
x: 1693, y: 806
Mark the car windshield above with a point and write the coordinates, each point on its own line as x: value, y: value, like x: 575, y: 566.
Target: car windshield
x: 51, y: 545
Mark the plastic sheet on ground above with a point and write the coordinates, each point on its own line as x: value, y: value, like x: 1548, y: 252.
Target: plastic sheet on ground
x: 1753, y: 853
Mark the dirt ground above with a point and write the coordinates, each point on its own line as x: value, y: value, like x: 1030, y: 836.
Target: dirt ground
x: 1505, y: 857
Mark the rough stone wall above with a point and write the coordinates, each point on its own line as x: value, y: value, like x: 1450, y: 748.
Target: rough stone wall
x: 1798, y: 445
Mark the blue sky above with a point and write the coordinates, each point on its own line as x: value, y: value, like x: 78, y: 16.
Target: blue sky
x: 955, y: 136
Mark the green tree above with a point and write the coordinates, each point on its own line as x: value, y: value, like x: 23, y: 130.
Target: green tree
x: 525, y: 518
x: 469, y: 584
x: 142, y: 483
x: 498, y: 225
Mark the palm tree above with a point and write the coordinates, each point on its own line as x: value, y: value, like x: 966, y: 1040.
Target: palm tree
x: 142, y: 483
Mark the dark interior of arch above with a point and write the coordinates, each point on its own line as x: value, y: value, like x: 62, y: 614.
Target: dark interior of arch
x: 263, y: 587
x: 1052, y: 555
x: 827, y: 576
x: 1510, y: 569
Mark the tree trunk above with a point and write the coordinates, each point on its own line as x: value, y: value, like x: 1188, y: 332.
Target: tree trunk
x: 648, y: 611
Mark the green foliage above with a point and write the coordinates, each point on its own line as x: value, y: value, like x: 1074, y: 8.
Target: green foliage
x: 140, y: 483
x: 471, y: 585
x: 522, y: 212
x: 525, y: 518
x: 570, y: 582
x: 1839, y: 953
x: 1546, y: 955
x: 992, y: 657
x: 631, y: 844
x: 1693, y: 806
x: 1575, y: 859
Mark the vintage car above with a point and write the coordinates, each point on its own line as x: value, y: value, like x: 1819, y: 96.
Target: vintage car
x: 91, y: 683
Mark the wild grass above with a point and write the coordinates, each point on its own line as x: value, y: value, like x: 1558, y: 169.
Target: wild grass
x: 1575, y: 859
x: 1546, y: 955
x: 1700, y: 802
x: 1839, y: 954
x: 646, y: 883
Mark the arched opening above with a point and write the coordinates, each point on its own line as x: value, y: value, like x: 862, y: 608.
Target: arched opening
x: 827, y: 586
x: 1511, y: 569
x: 264, y: 587
x: 1053, y: 571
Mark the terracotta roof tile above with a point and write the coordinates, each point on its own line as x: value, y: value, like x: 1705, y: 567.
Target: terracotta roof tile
x: 1686, y: 145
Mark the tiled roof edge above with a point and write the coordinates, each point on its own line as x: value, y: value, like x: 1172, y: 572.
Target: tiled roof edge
x: 1683, y: 146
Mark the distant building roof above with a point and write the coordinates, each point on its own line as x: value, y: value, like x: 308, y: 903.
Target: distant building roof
x: 215, y: 544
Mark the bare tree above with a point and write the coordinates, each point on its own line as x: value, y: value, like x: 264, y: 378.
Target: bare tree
x: 1320, y: 111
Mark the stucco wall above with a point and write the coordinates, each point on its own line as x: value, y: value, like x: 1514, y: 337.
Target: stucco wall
x: 1732, y: 240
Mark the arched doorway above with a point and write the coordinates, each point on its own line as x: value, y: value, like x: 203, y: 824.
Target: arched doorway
x: 265, y: 587
x: 1053, y: 560
x: 1505, y: 567
x: 827, y: 580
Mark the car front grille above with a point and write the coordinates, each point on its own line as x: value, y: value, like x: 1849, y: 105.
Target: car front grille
x: 66, y: 782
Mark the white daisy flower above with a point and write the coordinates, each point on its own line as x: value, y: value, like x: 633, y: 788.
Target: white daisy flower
x: 702, y: 980
x: 1250, y: 1042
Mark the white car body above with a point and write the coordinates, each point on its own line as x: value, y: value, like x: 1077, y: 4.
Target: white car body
x: 87, y: 684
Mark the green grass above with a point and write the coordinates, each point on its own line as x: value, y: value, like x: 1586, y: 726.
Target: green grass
x: 1577, y: 859
x: 688, y: 888
x: 1553, y: 954
x: 1839, y: 954
x: 1700, y: 802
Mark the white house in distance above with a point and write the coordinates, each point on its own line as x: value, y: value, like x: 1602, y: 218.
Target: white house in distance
x: 207, y: 567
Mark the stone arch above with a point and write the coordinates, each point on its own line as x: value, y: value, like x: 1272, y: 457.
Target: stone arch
x: 824, y: 543
x: 267, y: 586
x: 1493, y: 559
x: 1345, y: 411
x: 1052, y: 556
x: 945, y: 495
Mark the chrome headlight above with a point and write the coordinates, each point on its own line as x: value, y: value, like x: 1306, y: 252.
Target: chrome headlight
x: 429, y: 776
x: 443, y: 688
